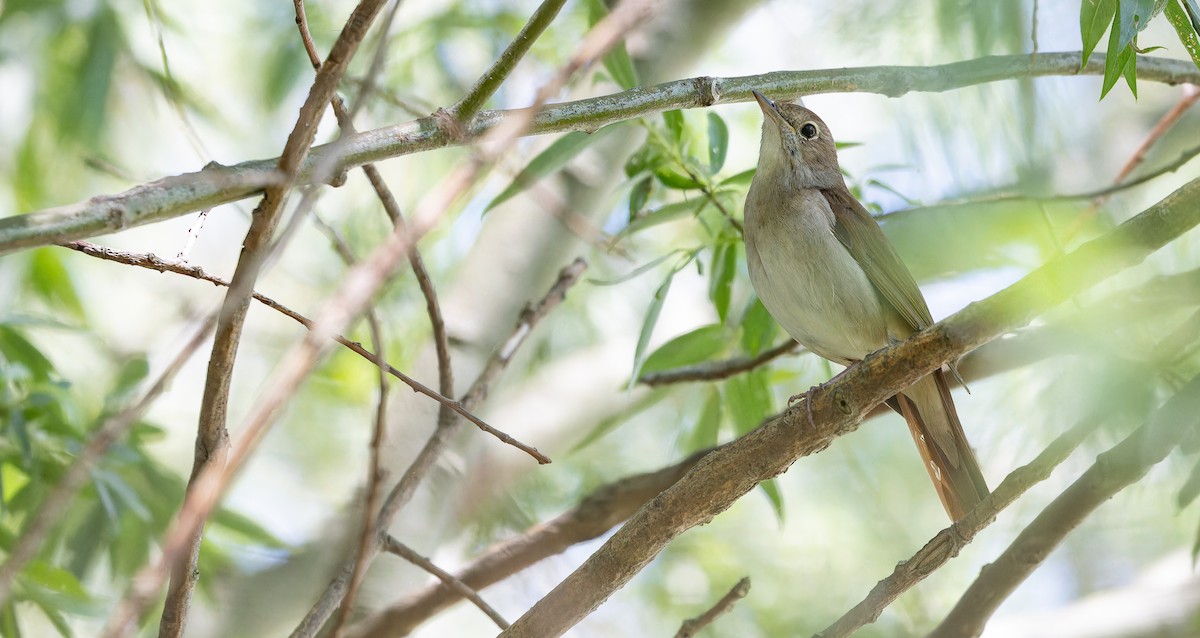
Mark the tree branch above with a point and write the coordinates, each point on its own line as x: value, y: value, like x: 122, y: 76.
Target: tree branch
x: 394, y: 546
x: 692, y: 626
x: 725, y: 475
x: 216, y: 184
x: 595, y: 514
x: 1114, y: 470
x: 491, y: 80
x: 950, y: 541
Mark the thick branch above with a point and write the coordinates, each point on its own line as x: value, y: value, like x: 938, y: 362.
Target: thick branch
x: 724, y: 476
x: 215, y: 184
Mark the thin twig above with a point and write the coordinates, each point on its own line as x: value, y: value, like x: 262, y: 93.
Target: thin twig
x: 394, y: 546
x: 714, y: 370
x: 1190, y: 95
x: 692, y: 626
x: 375, y: 475
x: 154, y: 262
x: 491, y: 80
x: 406, y: 487
x: 594, y: 515
x: 1121, y: 466
x: 55, y: 504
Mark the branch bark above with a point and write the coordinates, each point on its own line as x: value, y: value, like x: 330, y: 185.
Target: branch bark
x: 724, y: 476
x: 216, y: 184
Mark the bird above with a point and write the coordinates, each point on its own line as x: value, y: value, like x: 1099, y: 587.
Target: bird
x: 827, y: 274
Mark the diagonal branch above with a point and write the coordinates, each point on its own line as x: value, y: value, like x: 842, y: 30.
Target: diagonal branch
x: 724, y: 476
x: 950, y: 541
x: 393, y: 546
x: 216, y: 184
x: 154, y: 262
x: 1123, y: 465
x: 490, y: 81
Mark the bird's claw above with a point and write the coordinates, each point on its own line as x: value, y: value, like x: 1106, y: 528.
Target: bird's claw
x: 807, y: 396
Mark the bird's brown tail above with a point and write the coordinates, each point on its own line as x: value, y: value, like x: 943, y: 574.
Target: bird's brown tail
x: 933, y: 422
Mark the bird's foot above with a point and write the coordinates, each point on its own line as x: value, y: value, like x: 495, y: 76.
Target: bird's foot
x: 808, y: 394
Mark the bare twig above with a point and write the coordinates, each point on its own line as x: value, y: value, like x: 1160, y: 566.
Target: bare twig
x: 394, y: 546
x: 491, y: 80
x: 406, y: 487
x: 595, y: 514
x: 215, y: 184
x: 1190, y: 95
x: 692, y: 626
x: 714, y: 370
x: 153, y: 262
x: 725, y: 475
x: 1113, y: 471
x: 375, y: 475
x: 55, y: 504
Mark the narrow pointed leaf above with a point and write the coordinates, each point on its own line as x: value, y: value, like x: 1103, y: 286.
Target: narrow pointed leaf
x: 563, y: 150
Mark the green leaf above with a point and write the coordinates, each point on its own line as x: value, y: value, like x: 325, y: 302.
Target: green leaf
x: 689, y: 348
x: 50, y: 280
x: 1193, y: 11
x: 720, y: 282
x: 247, y: 528
x: 672, y: 178
x: 758, y: 328
x: 8, y: 621
x: 718, y: 142
x: 1190, y: 489
x: 708, y: 426
x: 1095, y: 16
x: 616, y: 61
x: 741, y: 179
x: 771, y: 489
x: 1115, y: 61
x: 1133, y: 16
x: 1130, y: 72
x: 55, y: 579
x: 563, y: 150
x: 668, y: 213
x: 638, y: 196
x: 749, y: 400
x: 1178, y: 17
x: 648, y: 323
x: 132, y: 372
x: 674, y: 121
x: 17, y: 349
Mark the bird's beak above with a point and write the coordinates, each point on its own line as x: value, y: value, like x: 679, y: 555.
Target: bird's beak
x: 768, y: 108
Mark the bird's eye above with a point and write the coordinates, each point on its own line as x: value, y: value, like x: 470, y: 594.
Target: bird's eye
x: 809, y: 131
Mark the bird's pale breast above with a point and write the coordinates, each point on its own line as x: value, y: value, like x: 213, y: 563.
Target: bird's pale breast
x: 808, y: 281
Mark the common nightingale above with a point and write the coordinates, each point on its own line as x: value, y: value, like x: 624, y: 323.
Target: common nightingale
x: 825, y: 271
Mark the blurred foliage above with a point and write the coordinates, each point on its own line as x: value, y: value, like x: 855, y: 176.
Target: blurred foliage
x: 672, y: 239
